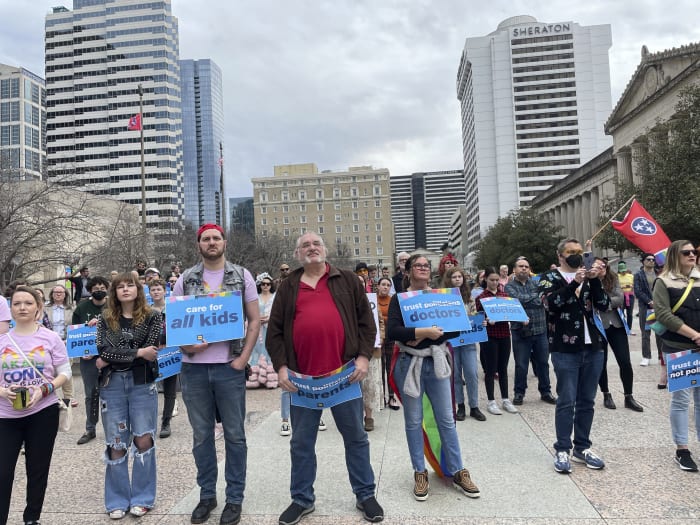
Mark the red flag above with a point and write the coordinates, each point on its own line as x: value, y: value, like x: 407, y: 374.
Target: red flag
x: 134, y: 123
x: 643, y: 231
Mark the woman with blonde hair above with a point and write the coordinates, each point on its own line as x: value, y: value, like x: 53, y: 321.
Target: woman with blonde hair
x: 128, y: 333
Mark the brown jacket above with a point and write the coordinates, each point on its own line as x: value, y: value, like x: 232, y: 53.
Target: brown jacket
x: 353, y: 307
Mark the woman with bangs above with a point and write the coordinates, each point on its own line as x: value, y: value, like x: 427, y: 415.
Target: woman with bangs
x: 128, y: 334
x: 465, y: 362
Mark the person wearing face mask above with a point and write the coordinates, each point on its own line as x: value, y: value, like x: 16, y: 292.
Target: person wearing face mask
x: 569, y: 294
x: 87, y: 312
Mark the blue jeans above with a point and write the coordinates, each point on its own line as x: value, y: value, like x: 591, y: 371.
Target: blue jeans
x: 348, y: 418
x: 465, y: 365
x: 285, y: 403
x: 577, y: 383
x: 522, y: 348
x: 206, y: 388
x: 680, y: 403
x: 439, y: 392
x: 129, y: 411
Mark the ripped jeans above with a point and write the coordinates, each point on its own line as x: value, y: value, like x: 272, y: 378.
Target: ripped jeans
x: 129, y: 411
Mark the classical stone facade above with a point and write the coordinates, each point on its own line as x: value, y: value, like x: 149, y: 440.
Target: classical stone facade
x: 647, y: 103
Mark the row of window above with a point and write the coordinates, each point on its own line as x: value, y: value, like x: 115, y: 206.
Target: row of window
x: 546, y: 124
x: 550, y: 153
x: 544, y: 87
x: 320, y: 218
x: 552, y: 114
x: 543, y: 67
x: 319, y: 206
x: 320, y: 194
x: 545, y: 96
x: 546, y: 105
x: 338, y: 228
x: 542, y: 58
x: 545, y: 163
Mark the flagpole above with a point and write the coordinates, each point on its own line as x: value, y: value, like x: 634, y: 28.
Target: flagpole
x: 221, y: 187
x: 613, y: 216
x: 143, y: 163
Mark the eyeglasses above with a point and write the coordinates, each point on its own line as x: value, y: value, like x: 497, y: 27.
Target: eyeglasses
x: 265, y: 284
x: 284, y: 269
x: 421, y: 266
x: 572, y: 252
x: 688, y: 253
x: 649, y: 259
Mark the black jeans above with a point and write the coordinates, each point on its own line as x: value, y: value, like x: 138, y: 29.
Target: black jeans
x: 38, y: 433
x: 169, y: 396
x: 494, y: 355
x: 617, y: 340
x: 89, y: 373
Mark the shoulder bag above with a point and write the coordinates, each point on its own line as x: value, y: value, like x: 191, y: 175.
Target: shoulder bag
x: 657, y: 326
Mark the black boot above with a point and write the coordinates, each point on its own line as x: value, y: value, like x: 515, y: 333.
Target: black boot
x: 461, y: 412
x: 632, y: 404
x: 608, y: 401
x: 164, y: 429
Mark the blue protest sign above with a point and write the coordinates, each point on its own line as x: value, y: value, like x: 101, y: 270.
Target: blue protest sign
x: 147, y: 291
x: 325, y: 391
x: 477, y: 334
x: 683, y: 370
x: 81, y: 340
x: 441, y: 307
x: 503, y: 309
x: 169, y: 362
x: 211, y: 318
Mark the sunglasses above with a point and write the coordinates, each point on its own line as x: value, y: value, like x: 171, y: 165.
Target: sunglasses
x: 649, y: 259
x: 265, y: 284
x: 573, y: 252
x: 688, y: 253
x: 284, y: 269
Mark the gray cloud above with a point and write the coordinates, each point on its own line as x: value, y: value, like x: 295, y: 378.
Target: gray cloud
x: 343, y: 83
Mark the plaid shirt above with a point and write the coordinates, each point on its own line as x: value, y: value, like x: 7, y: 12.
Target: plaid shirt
x: 500, y: 329
x: 529, y: 296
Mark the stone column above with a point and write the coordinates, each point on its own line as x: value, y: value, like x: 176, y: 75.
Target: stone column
x: 624, y: 167
x: 639, y: 150
x: 588, y: 223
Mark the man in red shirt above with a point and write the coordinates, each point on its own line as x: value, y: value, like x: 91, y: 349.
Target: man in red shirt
x: 321, y: 319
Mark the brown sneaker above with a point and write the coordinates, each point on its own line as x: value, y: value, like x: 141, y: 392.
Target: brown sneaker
x: 463, y: 482
x: 420, y: 489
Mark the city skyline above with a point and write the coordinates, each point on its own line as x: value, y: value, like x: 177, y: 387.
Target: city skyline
x: 354, y: 83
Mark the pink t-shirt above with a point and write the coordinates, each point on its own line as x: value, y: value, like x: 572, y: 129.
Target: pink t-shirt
x: 211, y: 280
x: 45, y: 350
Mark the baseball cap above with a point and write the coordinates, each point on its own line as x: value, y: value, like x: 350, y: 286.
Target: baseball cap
x: 151, y: 270
x: 360, y: 266
x: 209, y: 226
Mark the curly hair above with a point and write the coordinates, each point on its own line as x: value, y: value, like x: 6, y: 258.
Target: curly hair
x: 113, y: 309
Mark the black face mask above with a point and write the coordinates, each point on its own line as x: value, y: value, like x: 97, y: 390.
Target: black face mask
x: 575, y: 260
x: 99, y: 295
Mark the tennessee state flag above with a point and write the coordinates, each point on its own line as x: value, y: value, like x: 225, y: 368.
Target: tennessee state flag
x: 134, y: 123
x: 643, y: 231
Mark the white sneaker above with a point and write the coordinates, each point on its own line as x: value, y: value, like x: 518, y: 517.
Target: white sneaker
x: 322, y: 425
x: 285, y: 430
x: 509, y: 407
x: 117, y: 514
x: 644, y: 362
x: 175, y: 409
x: 492, y: 407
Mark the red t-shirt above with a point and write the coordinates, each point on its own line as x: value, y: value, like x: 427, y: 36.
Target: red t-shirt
x: 319, y: 334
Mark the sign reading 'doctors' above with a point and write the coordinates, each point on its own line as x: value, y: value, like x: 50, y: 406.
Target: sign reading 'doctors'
x: 325, y: 391
x: 169, y: 362
x: 81, y: 340
x: 477, y: 333
x: 504, y: 309
x: 683, y: 370
x: 440, y: 307
x: 193, y: 319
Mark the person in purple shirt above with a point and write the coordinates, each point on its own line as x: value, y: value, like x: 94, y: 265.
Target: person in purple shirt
x: 213, y: 377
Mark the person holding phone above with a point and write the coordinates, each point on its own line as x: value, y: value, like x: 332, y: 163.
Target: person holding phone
x: 570, y: 293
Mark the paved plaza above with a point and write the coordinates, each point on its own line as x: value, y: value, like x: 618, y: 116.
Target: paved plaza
x: 509, y: 457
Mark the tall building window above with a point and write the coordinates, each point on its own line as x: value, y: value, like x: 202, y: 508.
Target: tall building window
x: 285, y: 195
x: 338, y: 229
x: 377, y: 190
x: 378, y: 226
x: 336, y: 193
x: 285, y: 219
x: 302, y: 195
x: 356, y: 227
x: 285, y: 209
x: 321, y: 231
x: 319, y: 194
x: 319, y: 206
x: 377, y: 215
x: 302, y: 219
x: 320, y: 218
x: 337, y: 217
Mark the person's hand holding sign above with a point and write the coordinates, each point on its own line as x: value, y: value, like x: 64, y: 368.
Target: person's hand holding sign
x: 361, y: 369
x: 283, y: 380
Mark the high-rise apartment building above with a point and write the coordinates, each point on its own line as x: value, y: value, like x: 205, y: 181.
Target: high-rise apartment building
x: 349, y: 209
x: 242, y: 218
x: 203, y: 133
x: 97, y: 56
x: 421, y: 207
x: 22, y: 124
x: 534, y: 97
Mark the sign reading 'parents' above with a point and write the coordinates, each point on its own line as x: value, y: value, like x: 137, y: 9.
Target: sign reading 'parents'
x: 325, y: 391
x: 193, y: 319
x: 81, y: 340
x: 442, y: 307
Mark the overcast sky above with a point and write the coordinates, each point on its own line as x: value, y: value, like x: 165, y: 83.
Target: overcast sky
x: 356, y: 82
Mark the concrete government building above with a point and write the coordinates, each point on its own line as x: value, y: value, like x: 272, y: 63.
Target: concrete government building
x: 534, y: 100
x: 349, y: 209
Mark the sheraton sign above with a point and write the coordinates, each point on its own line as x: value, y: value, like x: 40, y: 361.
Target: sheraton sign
x: 541, y: 29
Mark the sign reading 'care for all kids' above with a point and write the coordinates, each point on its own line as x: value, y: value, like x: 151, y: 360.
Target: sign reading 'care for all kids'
x: 81, y: 340
x: 442, y: 307
x: 683, y: 370
x: 193, y: 319
x: 476, y: 334
x: 504, y: 309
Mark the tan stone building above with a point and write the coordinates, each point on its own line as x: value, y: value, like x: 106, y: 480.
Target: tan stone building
x: 648, y: 101
x: 350, y: 209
